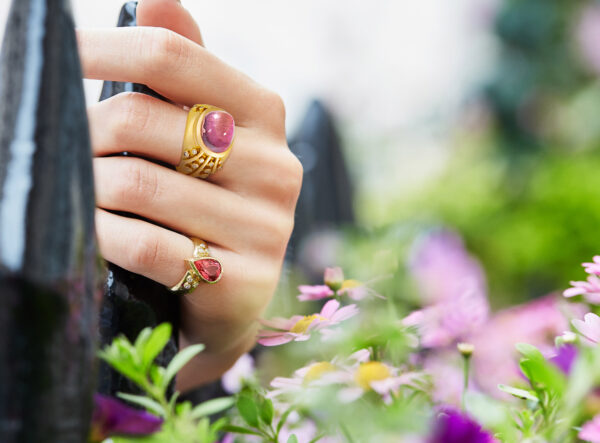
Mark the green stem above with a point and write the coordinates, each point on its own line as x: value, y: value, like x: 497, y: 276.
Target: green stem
x: 466, y: 367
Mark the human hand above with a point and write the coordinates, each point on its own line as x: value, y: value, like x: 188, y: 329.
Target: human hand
x: 245, y: 211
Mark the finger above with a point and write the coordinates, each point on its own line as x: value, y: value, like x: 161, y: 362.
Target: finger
x: 152, y: 128
x: 179, y: 69
x: 169, y: 14
x: 147, y: 249
x: 137, y: 123
x: 182, y: 203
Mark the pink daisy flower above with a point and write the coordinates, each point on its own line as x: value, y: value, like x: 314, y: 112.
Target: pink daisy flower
x: 319, y: 374
x: 591, y: 430
x: 299, y: 328
x: 590, y: 289
x: 336, y: 285
x: 594, y: 267
x: 589, y: 327
x: 378, y: 377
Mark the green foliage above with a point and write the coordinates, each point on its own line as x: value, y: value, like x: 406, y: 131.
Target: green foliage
x: 182, y: 423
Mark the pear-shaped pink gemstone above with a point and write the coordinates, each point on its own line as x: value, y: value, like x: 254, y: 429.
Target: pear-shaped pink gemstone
x: 217, y: 131
x: 209, y: 269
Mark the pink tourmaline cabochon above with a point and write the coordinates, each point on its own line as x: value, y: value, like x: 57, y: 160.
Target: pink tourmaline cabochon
x: 209, y: 269
x: 217, y: 131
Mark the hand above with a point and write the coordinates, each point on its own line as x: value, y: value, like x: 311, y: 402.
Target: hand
x: 245, y: 211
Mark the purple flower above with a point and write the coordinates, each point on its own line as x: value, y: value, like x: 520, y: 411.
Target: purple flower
x: 591, y: 430
x: 112, y: 417
x: 453, y: 284
x: 452, y: 426
x: 565, y: 358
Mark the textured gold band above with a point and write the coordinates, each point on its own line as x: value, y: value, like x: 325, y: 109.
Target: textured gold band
x: 202, y: 268
x: 198, y: 159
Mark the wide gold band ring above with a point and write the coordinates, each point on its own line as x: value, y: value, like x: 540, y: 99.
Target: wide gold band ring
x: 207, y: 141
x: 202, y: 267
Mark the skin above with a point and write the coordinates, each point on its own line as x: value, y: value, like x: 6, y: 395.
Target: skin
x: 245, y: 211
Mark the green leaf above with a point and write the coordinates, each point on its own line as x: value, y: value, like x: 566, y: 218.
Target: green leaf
x: 157, y: 375
x: 212, y: 407
x: 284, y: 418
x: 142, y: 339
x: 145, y: 402
x: 541, y: 373
x: 248, y: 410
x: 292, y: 439
x: 179, y: 361
x: 156, y: 342
x: 123, y: 365
x: 519, y: 393
x: 266, y: 411
x: 240, y: 430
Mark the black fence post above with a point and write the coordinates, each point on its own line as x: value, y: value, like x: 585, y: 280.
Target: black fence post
x: 48, y: 296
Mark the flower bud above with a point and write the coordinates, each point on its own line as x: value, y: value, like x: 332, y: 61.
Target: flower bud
x: 334, y: 277
x: 466, y: 349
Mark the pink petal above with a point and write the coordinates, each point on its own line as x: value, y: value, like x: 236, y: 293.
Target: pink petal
x: 591, y: 430
x: 330, y: 308
x: 280, y: 323
x: 572, y: 292
x: 275, y: 341
x: 318, y: 292
x: 344, y: 313
x: 589, y: 327
x: 348, y: 395
x: 415, y: 318
x: 361, y: 356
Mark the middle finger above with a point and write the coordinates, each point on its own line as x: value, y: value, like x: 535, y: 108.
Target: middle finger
x: 184, y: 204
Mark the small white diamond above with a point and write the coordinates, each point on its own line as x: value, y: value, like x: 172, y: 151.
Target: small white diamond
x: 194, y: 152
x: 189, y: 278
x: 211, y: 164
x: 195, y: 165
x: 186, y: 154
x: 187, y: 286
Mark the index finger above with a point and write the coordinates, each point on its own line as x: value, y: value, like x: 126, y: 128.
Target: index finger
x: 173, y: 66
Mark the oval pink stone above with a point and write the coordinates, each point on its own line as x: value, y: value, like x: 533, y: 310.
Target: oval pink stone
x: 209, y: 269
x: 217, y: 131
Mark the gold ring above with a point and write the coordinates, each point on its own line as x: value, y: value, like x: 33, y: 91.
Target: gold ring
x: 202, y: 268
x: 207, y: 141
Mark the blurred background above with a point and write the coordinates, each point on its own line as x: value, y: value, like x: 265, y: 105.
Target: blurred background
x: 476, y: 116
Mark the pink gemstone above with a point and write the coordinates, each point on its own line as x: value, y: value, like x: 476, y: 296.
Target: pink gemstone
x: 209, y: 269
x: 217, y: 131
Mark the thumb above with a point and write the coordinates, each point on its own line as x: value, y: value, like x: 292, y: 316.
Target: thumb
x: 168, y: 14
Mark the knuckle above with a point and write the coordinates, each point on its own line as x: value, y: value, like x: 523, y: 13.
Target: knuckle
x: 144, y: 252
x: 132, y: 116
x: 275, y: 109
x: 294, y: 173
x: 280, y: 230
x: 167, y: 50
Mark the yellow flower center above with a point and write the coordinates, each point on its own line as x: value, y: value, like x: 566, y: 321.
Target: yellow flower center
x: 349, y: 284
x: 369, y: 372
x: 316, y: 370
x: 302, y: 325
